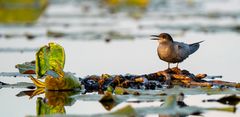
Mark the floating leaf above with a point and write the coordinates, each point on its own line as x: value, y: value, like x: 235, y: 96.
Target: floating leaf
x: 105, y: 76
x: 67, y: 82
x: 51, y: 57
x: 135, y: 8
x: 25, y: 93
x: 37, y: 82
x: 228, y: 100
x: 26, y: 68
x: 226, y: 109
x: 13, y: 74
x: 18, y: 85
x: 2, y: 83
x: 55, y: 34
x: 14, y: 11
x: 120, y: 91
x: 127, y: 111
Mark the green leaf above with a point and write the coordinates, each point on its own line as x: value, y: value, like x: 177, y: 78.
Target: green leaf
x: 51, y: 57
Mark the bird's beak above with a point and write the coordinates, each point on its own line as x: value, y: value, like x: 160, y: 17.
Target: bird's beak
x: 156, y: 37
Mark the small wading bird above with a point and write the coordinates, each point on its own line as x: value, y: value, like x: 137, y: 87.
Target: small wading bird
x: 172, y: 51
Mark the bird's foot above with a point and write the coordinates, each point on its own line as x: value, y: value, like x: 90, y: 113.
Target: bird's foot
x: 174, y: 70
x: 168, y: 70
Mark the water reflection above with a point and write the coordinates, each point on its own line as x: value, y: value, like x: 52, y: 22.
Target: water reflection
x: 232, y: 100
x: 53, y: 102
x: 109, y: 101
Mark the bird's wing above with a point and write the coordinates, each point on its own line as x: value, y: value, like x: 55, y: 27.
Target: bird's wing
x: 194, y: 47
x: 182, y: 49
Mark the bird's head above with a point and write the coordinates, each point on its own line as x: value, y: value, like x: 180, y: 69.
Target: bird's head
x: 162, y: 38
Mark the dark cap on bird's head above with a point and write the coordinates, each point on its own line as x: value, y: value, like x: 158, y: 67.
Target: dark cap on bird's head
x: 162, y: 36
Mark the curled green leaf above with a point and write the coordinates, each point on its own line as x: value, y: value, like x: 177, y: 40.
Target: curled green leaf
x: 51, y: 57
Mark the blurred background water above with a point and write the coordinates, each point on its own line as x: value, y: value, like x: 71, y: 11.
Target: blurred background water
x: 113, y: 36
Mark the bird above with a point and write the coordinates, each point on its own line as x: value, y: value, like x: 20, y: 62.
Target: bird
x: 172, y: 51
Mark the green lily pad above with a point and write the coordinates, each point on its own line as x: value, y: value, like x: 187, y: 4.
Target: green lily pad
x: 51, y: 57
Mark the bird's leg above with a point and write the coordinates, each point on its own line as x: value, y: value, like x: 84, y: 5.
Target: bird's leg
x: 176, y: 70
x: 177, y: 65
x: 168, y: 69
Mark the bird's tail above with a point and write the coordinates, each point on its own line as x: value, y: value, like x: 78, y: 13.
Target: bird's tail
x: 194, y: 47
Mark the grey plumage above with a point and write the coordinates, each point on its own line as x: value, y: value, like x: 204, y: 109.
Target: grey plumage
x: 194, y: 47
x: 173, y: 51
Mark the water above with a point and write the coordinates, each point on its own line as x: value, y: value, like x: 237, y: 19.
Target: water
x: 86, y: 25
